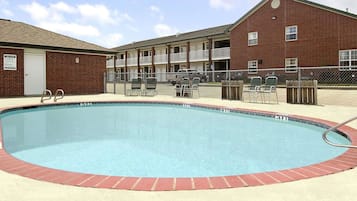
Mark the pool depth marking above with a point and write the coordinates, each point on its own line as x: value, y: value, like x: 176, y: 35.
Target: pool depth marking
x: 345, y: 161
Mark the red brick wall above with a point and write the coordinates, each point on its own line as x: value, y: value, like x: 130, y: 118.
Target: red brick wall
x: 85, y: 77
x: 12, y: 82
x: 321, y: 34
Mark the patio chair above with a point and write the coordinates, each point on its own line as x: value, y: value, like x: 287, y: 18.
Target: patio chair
x: 150, y: 87
x: 253, y: 89
x: 269, y: 88
x: 185, y: 85
x: 135, y: 87
x: 194, y: 86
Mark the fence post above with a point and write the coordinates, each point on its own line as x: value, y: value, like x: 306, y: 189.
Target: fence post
x: 125, y: 80
x: 228, y: 72
x: 299, y: 86
x: 115, y: 82
x: 105, y: 82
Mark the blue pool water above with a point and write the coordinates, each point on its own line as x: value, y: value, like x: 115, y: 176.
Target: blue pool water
x: 161, y: 140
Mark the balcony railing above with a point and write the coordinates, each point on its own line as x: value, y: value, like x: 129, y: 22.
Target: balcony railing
x: 146, y: 60
x: 132, y: 61
x: 221, y: 53
x: 199, y: 55
x: 160, y: 59
x: 110, y: 63
x: 178, y: 57
x: 119, y: 63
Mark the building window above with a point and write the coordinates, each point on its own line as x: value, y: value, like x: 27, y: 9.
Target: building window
x: 291, y: 65
x: 253, y: 67
x: 252, y: 38
x: 348, y: 60
x: 10, y: 62
x: 291, y: 33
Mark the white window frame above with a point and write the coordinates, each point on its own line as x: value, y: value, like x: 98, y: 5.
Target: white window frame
x: 253, y: 67
x: 10, y: 62
x: 252, y: 38
x: 288, y: 33
x: 351, y: 59
x: 291, y: 67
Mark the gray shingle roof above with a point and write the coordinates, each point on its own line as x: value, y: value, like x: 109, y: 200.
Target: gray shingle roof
x: 18, y: 34
x: 210, y: 32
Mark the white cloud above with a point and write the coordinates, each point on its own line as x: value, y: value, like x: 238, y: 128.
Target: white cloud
x: 71, y: 28
x: 3, y: 2
x: 225, y: 4
x: 155, y: 9
x: 164, y: 30
x: 96, y: 12
x: 36, y: 10
x: 7, y: 12
x: 59, y: 17
x: 132, y: 28
x: 63, y: 7
x: 126, y: 17
x: 113, y: 40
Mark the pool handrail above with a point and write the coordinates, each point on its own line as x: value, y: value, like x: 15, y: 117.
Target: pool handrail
x: 324, y: 135
x: 44, y: 95
x: 58, y: 92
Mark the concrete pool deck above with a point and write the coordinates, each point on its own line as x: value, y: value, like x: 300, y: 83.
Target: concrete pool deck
x: 340, y: 186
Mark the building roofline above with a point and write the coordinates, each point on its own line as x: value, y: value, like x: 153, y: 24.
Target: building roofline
x: 324, y: 7
x: 306, y: 2
x: 20, y: 45
x: 172, y: 39
x: 22, y: 35
x: 249, y: 13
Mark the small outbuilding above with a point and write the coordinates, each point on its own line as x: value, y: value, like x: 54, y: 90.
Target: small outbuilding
x: 33, y: 59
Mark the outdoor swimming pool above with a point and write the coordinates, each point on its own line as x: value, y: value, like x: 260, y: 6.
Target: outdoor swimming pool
x: 161, y: 140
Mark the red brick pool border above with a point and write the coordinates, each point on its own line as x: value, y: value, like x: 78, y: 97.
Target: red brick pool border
x: 345, y: 161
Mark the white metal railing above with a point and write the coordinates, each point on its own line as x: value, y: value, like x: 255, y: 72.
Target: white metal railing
x: 179, y: 57
x: 132, y: 61
x: 160, y: 59
x: 199, y: 55
x: 119, y: 63
x: 110, y: 63
x: 324, y: 135
x: 221, y: 53
x: 146, y: 60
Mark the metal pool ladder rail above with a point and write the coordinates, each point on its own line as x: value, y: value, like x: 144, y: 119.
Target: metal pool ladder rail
x: 324, y: 135
x: 47, y: 95
x: 60, y: 93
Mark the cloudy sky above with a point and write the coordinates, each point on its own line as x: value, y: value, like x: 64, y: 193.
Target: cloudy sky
x: 111, y: 23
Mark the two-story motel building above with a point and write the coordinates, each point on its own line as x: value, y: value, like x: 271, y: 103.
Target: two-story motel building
x: 274, y: 34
